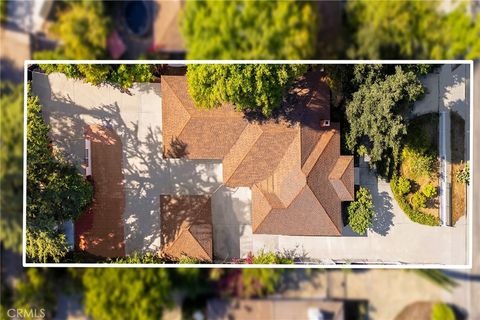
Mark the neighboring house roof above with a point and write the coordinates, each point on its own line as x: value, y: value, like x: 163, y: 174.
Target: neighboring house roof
x: 274, y: 309
x: 186, y: 226
x: 294, y: 167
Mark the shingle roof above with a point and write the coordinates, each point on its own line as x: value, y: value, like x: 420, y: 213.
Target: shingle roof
x: 297, y: 175
x: 186, y: 226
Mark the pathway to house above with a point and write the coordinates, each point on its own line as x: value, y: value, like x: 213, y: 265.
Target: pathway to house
x: 136, y: 117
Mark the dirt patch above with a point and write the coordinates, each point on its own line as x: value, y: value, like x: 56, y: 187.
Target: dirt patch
x: 100, y: 230
x: 458, y: 158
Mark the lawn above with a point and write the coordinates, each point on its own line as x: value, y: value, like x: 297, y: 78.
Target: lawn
x: 458, y: 159
x: 420, y: 160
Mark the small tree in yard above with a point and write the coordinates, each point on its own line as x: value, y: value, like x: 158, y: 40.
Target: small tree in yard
x: 430, y: 191
x: 403, y: 185
x: 360, y: 211
x: 419, y: 200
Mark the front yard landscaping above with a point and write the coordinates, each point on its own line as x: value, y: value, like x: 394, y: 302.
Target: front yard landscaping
x: 416, y: 187
x: 458, y: 164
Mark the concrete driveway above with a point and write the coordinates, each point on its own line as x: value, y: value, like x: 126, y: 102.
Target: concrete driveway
x: 136, y: 117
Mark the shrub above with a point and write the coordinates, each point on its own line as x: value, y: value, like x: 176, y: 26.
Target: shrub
x: 270, y: 258
x: 430, y: 191
x: 404, y: 186
x: 463, y: 175
x: 360, y: 212
x: 362, y: 150
x: 420, y: 162
x: 119, y: 74
x: 419, y: 200
x: 442, y: 311
x: 414, y: 215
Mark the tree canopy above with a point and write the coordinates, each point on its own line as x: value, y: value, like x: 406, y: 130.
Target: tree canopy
x: 376, y: 112
x: 82, y: 28
x: 250, y: 29
x: 127, y: 293
x: 411, y: 30
x: 11, y: 165
x: 250, y: 87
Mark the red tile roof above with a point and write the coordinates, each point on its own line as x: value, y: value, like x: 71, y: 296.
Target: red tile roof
x: 295, y: 169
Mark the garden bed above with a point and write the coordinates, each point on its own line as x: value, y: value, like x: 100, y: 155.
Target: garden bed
x: 458, y: 158
x: 420, y: 164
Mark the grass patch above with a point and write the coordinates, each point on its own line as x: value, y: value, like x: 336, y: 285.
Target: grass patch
x: 458, y: 158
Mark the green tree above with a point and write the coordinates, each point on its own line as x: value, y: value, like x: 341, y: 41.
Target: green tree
x: 442, y: 311
x: 430, y: 191
x: 403, y: 185
x: 54, y: 187
x: 56, y: 192
x: 419, y: 200
x: 411, y: 30
x: 35, y: 290
x: 127, y: 293
x: 360, y: 211
x: 83, y: 29
x: 45, y: 245
x: 250, y: 87
x: 11, y: 165
x: 376, y: 112
x: 250, y: 29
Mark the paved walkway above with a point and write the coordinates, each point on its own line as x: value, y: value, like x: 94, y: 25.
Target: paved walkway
x: 136, y: 118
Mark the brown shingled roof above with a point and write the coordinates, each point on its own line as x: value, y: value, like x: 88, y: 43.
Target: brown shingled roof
x: 297, y: 175
x: 186, y: 226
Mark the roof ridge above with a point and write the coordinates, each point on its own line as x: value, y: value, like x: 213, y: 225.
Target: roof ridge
x: 249, y: 125
x: 261, y: 222
x: 198, y: 242
x: 181, y: 103
x: 335, y: 178
x: 317, y: 151
x: 326, y: 212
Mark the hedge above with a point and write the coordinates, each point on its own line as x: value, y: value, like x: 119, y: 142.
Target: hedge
x: 414, y: 215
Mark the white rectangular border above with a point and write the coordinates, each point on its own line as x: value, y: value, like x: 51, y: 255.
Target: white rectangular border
x: 250, y: 266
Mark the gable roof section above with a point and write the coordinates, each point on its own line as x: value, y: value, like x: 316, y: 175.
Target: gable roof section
x: 186, y: 226
x: 206, y: 134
